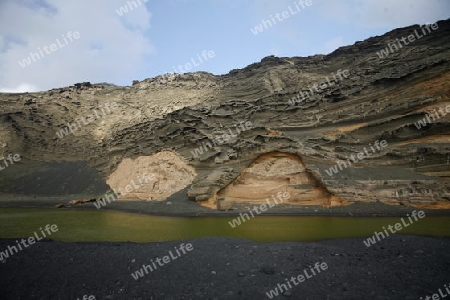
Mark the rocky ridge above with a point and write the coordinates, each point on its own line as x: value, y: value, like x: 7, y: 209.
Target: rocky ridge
x: 379, y: 99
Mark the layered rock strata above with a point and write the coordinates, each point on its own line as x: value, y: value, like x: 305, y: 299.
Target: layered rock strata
x: 379, y: 99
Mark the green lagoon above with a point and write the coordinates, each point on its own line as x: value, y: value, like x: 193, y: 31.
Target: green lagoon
x: 113, y: 226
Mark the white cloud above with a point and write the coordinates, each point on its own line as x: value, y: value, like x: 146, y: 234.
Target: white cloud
x: 21, y: 88
x: 403, y: 13
x: 109, y: 45
x: 384, y: 13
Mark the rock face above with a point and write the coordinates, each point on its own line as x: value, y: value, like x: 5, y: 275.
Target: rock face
x: 153, y: 177
x: 271, y: 174
x: 315, y: 126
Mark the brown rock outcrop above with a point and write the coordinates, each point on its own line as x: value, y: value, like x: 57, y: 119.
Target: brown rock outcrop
x: 153, y: 177
x: 270, y: 174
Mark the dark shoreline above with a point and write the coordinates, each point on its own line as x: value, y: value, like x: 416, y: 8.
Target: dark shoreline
x: 178, y: 207
x: 399, y: 267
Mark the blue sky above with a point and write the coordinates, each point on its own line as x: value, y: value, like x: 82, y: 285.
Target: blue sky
x: 158, y: 35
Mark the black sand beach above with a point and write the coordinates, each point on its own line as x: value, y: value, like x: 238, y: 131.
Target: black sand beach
x: 399, y: 267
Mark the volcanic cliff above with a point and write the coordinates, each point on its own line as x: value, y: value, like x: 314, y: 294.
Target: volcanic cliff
x: 290, y: 124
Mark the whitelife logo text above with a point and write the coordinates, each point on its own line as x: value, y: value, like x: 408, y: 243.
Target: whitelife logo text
x: 372, y: 241
x: 165, y: 260
x: 53, y: 47
x: 31, y: 240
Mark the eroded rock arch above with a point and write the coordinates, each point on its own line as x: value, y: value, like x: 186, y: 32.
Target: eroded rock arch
x: 272, y: 173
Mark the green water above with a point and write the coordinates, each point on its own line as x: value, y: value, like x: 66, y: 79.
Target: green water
x: 77, y: 226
